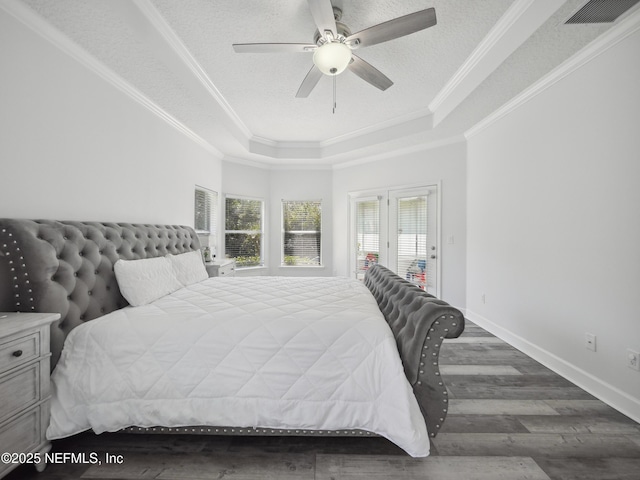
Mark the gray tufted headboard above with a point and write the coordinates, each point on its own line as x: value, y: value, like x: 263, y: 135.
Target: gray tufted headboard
x: 67, y: 267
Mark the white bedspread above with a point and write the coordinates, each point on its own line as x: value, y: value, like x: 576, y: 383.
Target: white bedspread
x: 278, y: 352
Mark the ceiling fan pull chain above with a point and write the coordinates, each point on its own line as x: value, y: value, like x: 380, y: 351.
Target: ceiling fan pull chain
x: 334, y: 94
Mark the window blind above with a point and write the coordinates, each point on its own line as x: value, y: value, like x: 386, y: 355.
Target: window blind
x: 206, y: 202
x: 412, y: 239
x: 367, y: 235
x: 302, y: 233
x: 244, y: 231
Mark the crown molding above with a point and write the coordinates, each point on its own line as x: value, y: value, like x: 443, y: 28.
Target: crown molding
x: 277, y: 166
x: 246, y: 162
x: 415, y: 122
x: 517, y: 24
x: 277, y: 153
x: 289, y: 155
x: 266, y: 146
x: 296, y: 166
x: 626, y: 27
x: 157, y: 21
x: 506, y: 22
x: 284, y: 150
x: 37, y: 24
x: 390, y: 132
x: 337, y: 165
x: 423, y: 147
x: 418, y: 115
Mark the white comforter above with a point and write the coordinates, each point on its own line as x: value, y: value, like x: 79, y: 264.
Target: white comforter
x: 278, y: 352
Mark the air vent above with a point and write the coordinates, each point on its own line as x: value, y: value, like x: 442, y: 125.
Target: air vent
x: 601, y: 11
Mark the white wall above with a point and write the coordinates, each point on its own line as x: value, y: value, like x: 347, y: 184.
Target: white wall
x: 445, y: 164
x: 73, y: 147
x: 554, y: 225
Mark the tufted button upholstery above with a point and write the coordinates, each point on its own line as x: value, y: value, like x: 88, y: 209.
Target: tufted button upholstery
x: 419, y: 321
x: 67, y: 267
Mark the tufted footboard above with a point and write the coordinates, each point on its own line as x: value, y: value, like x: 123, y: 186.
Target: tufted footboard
x: 419, y: 322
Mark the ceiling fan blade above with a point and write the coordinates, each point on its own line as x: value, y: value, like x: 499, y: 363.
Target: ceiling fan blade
x: 322, y: 12
x: 309, y: 82
x: 274, y: 47
x: 398, y: 27
x: 369, y: 73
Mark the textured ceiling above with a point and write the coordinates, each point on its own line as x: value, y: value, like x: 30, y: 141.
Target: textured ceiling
x: 261, y: 87
x: 178, y: 54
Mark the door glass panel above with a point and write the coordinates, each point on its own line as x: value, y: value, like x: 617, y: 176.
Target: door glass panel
x: 367, y: 233
x: 412, y: 251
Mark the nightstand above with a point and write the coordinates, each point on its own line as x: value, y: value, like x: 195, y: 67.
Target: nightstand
x: 221, y: 268
x: 24, y: 384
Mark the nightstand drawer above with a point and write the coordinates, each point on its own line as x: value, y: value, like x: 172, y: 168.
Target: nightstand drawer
x: 227, y: 270
x: 221, y: 268
x: 24, y: 384
x: 21, y: 434
x: 18, y: 351
x: 20, y: 389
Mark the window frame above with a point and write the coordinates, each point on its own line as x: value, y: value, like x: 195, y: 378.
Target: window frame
x: 283, y: 264
x: 208, y: 236
x: 262, y: 262
x: 212, y: 217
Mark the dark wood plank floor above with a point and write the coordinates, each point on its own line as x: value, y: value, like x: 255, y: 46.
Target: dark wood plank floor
x: 510, y: 418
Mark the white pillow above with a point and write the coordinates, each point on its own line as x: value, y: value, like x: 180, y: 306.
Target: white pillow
x: 188, y: 267
x: 146, y: 280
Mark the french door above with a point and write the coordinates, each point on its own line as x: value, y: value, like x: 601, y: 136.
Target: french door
x: 399, y: 229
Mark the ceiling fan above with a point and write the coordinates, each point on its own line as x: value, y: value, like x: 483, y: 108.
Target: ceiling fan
x: 334, y: 44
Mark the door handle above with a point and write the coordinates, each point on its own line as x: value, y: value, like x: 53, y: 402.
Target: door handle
x: 433, y: 256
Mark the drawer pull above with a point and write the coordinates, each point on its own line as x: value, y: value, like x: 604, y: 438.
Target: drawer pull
x: 17, y: 353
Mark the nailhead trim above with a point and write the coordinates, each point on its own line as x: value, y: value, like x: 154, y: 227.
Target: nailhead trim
x: 169, y: 240
x: 432, y: 376
x: 249, y: 431
x: 19, y: 270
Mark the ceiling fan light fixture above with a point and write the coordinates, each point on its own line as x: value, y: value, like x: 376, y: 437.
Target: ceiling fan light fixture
x: 332, y: 58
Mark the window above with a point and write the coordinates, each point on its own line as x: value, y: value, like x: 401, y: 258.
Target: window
x: 205, y: 220
x: 243, y: 235
x: 301, y: 233
x: 206, y: 202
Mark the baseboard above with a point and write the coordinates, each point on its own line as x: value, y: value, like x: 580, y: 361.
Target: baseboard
x: 600, y: 389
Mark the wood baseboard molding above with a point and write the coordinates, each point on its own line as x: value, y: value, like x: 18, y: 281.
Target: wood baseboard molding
x: 611, y: 395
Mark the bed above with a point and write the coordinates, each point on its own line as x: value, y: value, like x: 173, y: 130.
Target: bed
x: 259, y: 355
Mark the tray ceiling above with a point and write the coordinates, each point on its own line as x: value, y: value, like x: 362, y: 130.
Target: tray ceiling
x: 178, y: 56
